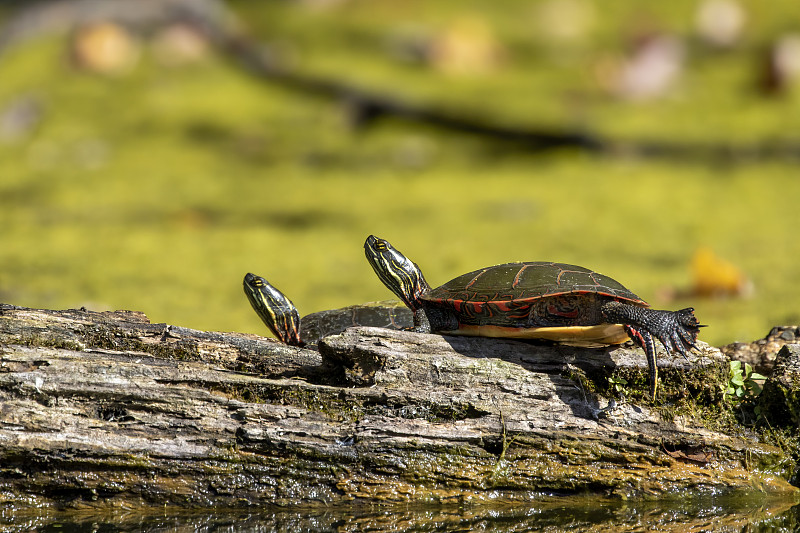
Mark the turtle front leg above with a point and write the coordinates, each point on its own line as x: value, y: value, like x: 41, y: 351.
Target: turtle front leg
x: 677, y: 330
x: 421, y: 322
x: 430, y: 319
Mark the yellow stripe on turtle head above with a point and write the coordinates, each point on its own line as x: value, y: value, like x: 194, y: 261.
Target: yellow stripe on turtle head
x: 400, y: 275
x: 273, y: 307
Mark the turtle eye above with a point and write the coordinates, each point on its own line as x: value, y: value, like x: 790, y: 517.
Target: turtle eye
x: 380, y: 245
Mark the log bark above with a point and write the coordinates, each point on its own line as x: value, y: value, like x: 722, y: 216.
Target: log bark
x: 109, y: 410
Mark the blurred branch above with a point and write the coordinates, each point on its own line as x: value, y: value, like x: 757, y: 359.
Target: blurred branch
x: 226, y: 32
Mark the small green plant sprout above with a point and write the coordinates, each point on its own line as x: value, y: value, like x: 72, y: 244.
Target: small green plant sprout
x: 743, y: 382
x: 618, y: 383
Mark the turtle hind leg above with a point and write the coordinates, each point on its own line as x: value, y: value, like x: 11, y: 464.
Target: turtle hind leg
x: 677, y: 330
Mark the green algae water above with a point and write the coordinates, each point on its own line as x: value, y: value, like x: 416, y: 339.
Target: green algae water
x: 585, y: 515
x: 157, y: 190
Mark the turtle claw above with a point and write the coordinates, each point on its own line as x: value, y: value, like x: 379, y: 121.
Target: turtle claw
x: 669, y: 342
x: 686, y: 338
x: 684, y: 325
x: 676, y: 342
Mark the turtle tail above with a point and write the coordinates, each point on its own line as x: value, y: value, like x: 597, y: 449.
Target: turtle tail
x: 645, y: 340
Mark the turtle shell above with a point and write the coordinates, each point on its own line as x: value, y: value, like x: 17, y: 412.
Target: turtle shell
x: 527, y: 282
x: 556, y: 301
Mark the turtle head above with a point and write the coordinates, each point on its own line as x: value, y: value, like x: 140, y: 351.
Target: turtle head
x: 275, y: 309
x: 399, y: 273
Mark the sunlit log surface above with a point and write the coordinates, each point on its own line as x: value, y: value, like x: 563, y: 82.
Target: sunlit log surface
x: 109, y: 410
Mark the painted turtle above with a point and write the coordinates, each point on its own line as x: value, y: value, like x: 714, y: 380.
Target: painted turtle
x: 534, y: 300
x: 281, y: 316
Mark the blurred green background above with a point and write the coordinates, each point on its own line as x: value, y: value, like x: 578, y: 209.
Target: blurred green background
x: 143, y: 168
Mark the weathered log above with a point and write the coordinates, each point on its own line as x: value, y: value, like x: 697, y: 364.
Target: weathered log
x: 107, y: 409
x: 780, y: 400
x: 761, y: 353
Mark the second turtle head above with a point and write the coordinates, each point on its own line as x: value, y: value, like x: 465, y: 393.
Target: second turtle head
x: 275, y: 309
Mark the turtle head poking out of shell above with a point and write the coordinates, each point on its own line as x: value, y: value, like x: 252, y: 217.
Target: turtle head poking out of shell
x: 276, y: 310
x: 399, y: 273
